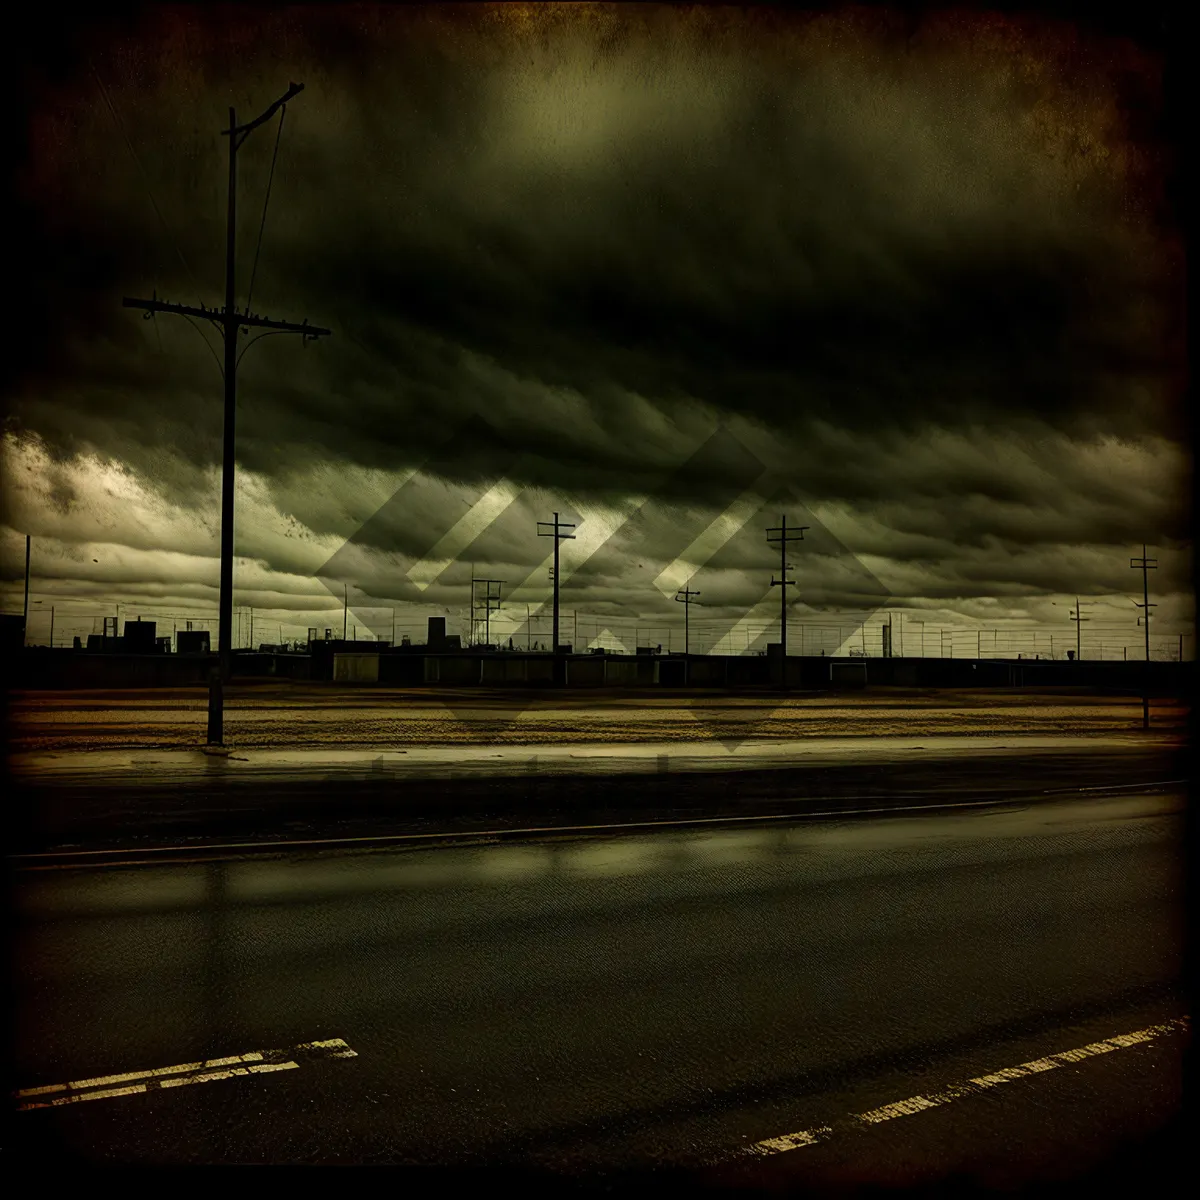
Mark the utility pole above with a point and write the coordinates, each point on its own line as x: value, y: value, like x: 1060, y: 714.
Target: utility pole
x: 780, y: 535
x: 52, y: 627
x: 490, y: 605
x: 229, y: 321
x: 1078, y: 617
x: 25, y: 614
x: 685, y: 596
x: 1145, y: 565
x: 345, y: 607
x: 553, y: 530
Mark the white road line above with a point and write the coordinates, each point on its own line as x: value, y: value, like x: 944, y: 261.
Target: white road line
x: 180, y: 1075
x: 473, y: 835
x: 971, y: 1087
x: 100, y: 1081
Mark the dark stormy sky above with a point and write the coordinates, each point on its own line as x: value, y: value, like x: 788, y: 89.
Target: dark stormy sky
x: 915, y: 283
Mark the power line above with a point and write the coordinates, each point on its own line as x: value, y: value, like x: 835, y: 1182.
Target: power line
x: 489, y: 604
x: 266, y: 201
x: 230, y: 321
x: 1078, y: 617
x: 1145, y: 564
x: 158, y: 212
x: 687, y: 598
x: 145, y: 175
x: 779, y: 535
x: 553, y: 530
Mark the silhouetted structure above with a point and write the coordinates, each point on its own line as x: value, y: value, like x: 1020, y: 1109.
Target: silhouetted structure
x: 139, y: 637
x: 1144, y: 565
x: 12, y: 632
x: 229, y: 321
x: 781, y: 536
x: 554, y: 529
x: 687, y: 598
x: 193, y: 641
x: 487, y: 604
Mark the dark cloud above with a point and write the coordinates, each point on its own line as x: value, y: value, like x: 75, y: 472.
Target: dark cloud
x: 931, y: 264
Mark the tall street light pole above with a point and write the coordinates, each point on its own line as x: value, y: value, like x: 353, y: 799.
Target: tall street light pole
x: 229, y: 321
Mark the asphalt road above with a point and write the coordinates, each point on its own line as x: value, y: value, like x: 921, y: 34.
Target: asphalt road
x: 587, y: 1004
x: 114, y: 799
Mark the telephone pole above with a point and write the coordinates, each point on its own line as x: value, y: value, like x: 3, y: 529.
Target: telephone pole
x: 782, y: 536
x: 553, y: 529
x: 1145, y: 565
x: 25, y: 611
x: 1078, y: 617
x: 229, y: 321
x: 686, y: 596
x: 489, y: 605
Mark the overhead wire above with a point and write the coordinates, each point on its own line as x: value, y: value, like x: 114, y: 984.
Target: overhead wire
x: 145, y: 175
x: 266, y: 200
x: 158, y: 211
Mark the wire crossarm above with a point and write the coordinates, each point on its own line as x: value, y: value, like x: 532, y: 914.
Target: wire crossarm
x: 230, y: 321
x: 219, y: 317
x: 241, y: 132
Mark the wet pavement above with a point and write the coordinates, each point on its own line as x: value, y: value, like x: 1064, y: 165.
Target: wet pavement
x: 590, y: 1003
x: 107, y: 799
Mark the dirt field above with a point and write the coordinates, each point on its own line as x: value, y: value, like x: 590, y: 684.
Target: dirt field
x: 306, y: 715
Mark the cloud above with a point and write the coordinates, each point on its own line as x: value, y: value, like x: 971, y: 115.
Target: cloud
x: 926, y: 271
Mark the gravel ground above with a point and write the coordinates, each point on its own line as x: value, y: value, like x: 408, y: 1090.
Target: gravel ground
x: 275, y: 715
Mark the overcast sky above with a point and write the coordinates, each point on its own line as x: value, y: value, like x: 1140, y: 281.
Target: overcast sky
x: 915, y: 285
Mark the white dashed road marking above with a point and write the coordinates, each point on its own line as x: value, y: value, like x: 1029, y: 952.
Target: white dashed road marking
x: 209, y: 1071
x: 971, y: 1087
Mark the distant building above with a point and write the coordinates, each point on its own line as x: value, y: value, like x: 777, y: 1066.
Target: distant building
x: 192, y: 641
x: 101, y: 643
x: 435, y: 638
x: 12, y: 631
x: 139, y: 637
